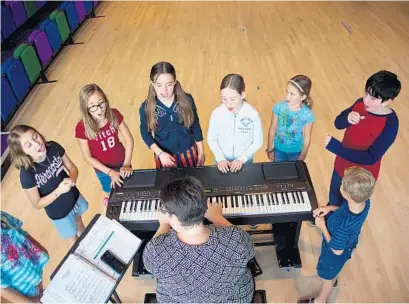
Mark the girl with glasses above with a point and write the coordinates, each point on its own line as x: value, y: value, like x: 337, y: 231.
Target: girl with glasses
x: 97, y: 135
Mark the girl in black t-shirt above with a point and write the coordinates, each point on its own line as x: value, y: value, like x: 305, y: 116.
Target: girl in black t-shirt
x: 43, y: 175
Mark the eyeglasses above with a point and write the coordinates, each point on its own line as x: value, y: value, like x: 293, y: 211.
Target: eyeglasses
x: 101, y: 105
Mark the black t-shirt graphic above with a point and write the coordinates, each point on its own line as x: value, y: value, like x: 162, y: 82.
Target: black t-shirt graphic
x: 46, y: 176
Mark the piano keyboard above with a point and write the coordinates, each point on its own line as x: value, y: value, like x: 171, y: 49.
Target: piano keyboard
x: 236, y: 205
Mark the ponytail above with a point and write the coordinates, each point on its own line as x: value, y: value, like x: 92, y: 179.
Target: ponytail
x: 185, y: 112
x: 150, y: 109
x: 308, y: 102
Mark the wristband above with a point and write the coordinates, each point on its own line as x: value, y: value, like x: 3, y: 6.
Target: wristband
x: 55, y: 193
x: 109, y: 172
x: 269, y: 151
x: 159, y: 153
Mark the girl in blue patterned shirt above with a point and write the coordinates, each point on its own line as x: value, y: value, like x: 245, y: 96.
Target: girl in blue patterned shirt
x: 290, y: 130
x: 22, y: 262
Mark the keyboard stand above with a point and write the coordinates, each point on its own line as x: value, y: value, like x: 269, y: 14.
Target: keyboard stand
x: 138, y: 268
x: 286, y: 237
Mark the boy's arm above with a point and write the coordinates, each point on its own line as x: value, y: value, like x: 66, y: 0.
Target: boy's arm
x: 341, y: 121
x: 338, y: 241
x: 374, y: 152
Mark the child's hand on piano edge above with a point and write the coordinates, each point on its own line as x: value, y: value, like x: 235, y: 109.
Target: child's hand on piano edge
x: 125, y: 171
x: 201, y: 160
x: 116, y: 179
x: 321, y: 211
x: 320, y: 222
x: 270, y: 155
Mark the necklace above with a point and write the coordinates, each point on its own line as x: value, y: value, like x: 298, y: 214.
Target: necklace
x: 46, y: 158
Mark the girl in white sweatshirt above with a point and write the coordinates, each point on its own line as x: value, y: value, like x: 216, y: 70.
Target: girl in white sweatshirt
x: 235, y: 131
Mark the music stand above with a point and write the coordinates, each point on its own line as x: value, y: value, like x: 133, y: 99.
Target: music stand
x: 114, y: 298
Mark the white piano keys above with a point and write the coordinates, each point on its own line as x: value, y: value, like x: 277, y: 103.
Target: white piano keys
x: 232, y: 206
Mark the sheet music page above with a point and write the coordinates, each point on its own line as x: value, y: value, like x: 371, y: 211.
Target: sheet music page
x: 80, y: 282
x: 108, y: 235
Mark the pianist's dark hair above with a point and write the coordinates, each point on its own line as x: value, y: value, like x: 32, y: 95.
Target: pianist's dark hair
x: 185, y: 199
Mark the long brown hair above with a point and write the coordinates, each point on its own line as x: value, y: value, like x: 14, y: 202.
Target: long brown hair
x: 90, y: 124
x: 185, y: 112
x: 20, y: 159
x: 303, y: 85
x: 234, y: 82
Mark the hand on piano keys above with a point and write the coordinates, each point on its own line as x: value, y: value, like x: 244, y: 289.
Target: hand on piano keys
x: 214, y: 210
x: 116, y: 179
x: 225, y: 166
x: 235, y: 165
x: 215, y: 214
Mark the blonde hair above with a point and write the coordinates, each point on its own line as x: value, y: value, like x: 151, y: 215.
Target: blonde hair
x: 303, y: 85
x: 20, y: 159
x: 185, y: 112
x: 90, y: 124
x: 359, y: 183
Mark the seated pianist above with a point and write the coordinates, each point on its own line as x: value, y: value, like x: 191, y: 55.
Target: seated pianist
x: 193, y: 262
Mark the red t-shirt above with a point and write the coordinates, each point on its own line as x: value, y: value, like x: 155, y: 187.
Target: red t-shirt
x: 106, y: 147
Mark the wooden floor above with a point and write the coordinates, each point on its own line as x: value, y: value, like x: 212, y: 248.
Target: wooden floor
x: 267, y: 43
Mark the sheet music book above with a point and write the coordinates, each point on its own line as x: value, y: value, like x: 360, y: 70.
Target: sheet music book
x: 83, y: 277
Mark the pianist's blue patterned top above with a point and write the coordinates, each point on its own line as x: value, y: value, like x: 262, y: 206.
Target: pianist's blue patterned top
x: 214, y: 272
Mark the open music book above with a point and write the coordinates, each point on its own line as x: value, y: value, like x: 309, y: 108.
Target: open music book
x: 83, y: 277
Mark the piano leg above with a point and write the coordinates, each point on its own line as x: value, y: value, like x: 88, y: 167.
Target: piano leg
x: 286, y: 241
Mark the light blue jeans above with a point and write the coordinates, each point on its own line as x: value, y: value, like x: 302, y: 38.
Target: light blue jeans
x: 281, y: 156
x: 67, y: 226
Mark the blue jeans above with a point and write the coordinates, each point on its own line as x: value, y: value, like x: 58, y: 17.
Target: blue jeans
x: 281, y: 156
x: 67, y: 226
x: 335, y: 196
